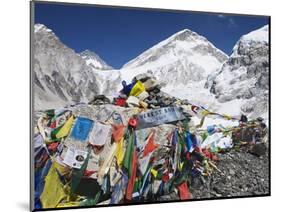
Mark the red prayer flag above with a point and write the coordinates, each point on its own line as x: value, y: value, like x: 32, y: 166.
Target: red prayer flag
x: 165, y: 177
x: 88, y: 173
x: 132, y: 179
x: 53, y: 146
x: 53, y: 125
x: 194, y: 108
x: 120, y: 102
x: 184, y: 191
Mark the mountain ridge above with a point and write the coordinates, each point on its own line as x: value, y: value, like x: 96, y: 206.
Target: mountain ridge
x: 186, y: 64
x: 59, y: 72
x: 183, y: 35
x: 245, y: 75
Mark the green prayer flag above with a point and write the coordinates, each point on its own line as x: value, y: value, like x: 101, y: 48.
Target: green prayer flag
x: 185, y: 125
x: 50, y: 113
x: 128, y: 158
x: 78, y: 173
x: 55, y: 132
x: 91, y: 201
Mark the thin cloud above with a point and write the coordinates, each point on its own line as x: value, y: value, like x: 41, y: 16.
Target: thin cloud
x: 221, y: 16
x: 232, y: 23
x: 229, y: 21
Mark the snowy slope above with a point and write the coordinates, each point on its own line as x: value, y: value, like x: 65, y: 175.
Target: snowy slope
x: 245, y: 76
x: 185, y: 53
x: 93, y: 60
x: 186, y: 64
x: 108, y: 81
x: 182, y: 63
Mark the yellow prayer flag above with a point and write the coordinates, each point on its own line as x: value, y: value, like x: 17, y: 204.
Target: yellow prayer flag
x: 54, y: 191
x: 205, y: 113
x: 65, y: 130
x: 119, y: 154
x: 153, y: 172
x: 68, y: 204
x: 137, y: 89
x: 180, y: 166
x: 227, y: 116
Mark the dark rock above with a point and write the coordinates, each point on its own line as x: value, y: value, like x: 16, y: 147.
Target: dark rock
x: 259, y: 149
x: 244, y: 175
x: 169, y: 197
x: 100, y: 100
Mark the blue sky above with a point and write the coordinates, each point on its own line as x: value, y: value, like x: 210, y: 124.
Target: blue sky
x: 118, y: 35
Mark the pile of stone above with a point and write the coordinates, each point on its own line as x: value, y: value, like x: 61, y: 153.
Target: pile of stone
x: 144, y: 91
x: 140, y: 146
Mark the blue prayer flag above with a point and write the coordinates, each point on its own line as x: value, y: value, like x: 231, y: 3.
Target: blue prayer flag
x: 82, y: 128
x: 189, y: 142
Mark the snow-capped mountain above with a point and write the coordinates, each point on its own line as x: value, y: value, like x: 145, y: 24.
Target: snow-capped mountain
x: 186, y: 64
x: 185, y: 53
x: 182, y: 63
x: 61, y: 76
x: 93, y: 60
x: 245, y: 75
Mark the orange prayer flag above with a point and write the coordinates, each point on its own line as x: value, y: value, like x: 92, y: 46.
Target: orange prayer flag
x: 117, y: 132
x: 150, y: 146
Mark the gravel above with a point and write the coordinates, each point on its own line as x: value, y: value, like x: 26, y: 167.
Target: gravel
x: 243, y: 174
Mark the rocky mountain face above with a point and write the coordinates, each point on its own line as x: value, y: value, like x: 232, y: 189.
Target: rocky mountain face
x: 93, y: 60
x: 61, y: 76
x: 245, y: 75
x: 224, y: 159
x: 186, y: 64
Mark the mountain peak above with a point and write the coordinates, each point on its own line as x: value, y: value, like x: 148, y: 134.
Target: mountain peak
x: 88, y: 53
x: 94, y: 60
x: 185, y: 33
x: 258, y: 35
x: 181, y: 44
x: 41, y: 28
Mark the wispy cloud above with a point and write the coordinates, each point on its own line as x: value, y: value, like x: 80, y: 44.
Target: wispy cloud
x: 229, y: 20
x: 221, y: 16
x: 232, y: 23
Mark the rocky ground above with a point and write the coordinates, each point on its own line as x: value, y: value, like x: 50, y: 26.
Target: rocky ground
x: 241, y: 171
x: 243, y: 174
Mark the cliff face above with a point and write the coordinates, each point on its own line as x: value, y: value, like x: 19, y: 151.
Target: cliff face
x: 61, y: 76
x: 186, y: 65
x: 245, y: 75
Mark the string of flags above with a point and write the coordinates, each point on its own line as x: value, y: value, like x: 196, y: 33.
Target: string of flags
x: 83, y: 160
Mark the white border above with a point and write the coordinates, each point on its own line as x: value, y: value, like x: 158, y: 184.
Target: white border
x: 14, y: 50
